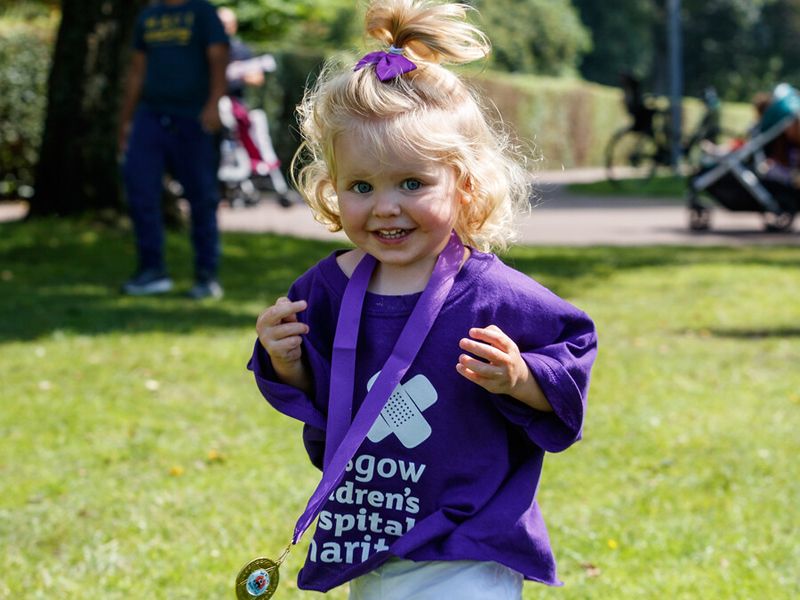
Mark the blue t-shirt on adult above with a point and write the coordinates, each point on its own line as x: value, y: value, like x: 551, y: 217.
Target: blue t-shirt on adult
x: 175, y: 39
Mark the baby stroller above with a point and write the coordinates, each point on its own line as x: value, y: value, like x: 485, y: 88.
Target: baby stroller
x: 248, y: 163
x: 740, y: 180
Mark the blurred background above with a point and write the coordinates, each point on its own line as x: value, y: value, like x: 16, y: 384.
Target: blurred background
x: 554, y: 75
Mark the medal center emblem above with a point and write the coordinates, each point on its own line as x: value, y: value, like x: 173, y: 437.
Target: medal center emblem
x: 258, y: 582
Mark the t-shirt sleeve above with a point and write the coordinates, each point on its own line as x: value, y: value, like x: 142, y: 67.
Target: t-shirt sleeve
x: 291, y: 402
x: 211, y: 27
x: 138, y: 34
x: 310, y: 409
x: 285, y: 398
x: 558, y: 342
x: 562, y: 370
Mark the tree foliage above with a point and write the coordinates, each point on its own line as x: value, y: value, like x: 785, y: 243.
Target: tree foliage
x: 623, y: 38
x: 531, y: 36
x: 734, y: 44
x: 24, y: 56
x: 305, y: 23
x: 781, y: 28
x: 738, y: 46
x: 534, y: 36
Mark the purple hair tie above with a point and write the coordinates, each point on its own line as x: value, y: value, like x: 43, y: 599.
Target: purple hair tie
x: 388, y: 64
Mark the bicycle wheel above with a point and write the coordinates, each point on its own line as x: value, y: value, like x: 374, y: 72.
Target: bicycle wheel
x: 631, y: 157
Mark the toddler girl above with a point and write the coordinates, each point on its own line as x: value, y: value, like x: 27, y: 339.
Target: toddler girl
x: 484, y: 369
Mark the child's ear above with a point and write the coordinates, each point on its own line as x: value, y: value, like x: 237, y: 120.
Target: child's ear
x: 465, y: 191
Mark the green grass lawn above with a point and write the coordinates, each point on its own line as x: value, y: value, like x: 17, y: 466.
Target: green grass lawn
x: 138, y: 460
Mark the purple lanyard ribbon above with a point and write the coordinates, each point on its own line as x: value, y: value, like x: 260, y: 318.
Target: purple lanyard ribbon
x: 343, y: 438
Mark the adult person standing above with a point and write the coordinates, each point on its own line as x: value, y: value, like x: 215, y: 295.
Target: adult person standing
x: 239, y: 51
x: 168, y: 119
x: 239, y: 80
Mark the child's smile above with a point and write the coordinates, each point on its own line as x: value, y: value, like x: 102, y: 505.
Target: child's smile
x: 396, y: 206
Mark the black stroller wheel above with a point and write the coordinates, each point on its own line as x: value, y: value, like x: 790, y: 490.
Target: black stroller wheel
x: 779, y: 222
x: 699, y: 219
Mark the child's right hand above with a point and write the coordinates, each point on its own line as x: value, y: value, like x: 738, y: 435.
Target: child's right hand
x: 280, y: 333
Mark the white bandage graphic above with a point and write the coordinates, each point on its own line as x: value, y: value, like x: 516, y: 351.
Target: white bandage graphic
x: 402, y: 414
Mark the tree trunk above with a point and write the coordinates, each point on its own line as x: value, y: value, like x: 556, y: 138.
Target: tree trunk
x: 78, y: 169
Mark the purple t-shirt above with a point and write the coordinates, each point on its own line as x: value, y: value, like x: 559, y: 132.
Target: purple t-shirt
x: 448, y: 471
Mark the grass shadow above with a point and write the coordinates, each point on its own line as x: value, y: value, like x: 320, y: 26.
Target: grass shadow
x: 60, y: 275
x: 64, y: 275
x: 756, y: 333
x: 569, y: 271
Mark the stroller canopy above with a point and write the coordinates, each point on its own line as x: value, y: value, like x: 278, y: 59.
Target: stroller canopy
x: 785, y: 102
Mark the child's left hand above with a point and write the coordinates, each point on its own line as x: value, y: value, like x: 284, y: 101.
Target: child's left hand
x: 502, y: 370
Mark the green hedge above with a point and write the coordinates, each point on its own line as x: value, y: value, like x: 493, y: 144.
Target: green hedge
x: 567, y: 122
x: 25, y: 51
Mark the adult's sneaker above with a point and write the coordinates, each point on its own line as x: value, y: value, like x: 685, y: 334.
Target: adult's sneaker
x: 147, y: 283
x: 206, y: 288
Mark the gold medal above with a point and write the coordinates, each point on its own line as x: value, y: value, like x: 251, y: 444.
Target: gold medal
x: 259, y: 578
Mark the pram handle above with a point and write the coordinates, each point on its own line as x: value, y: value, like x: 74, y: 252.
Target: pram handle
x: 257, y: 64
x: 741, y: 154
x: 734, y: 163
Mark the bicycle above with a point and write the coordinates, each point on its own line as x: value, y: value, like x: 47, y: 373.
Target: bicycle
x: 636, y: 151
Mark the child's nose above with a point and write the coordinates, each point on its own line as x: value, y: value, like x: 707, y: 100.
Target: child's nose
x: 386, y: 205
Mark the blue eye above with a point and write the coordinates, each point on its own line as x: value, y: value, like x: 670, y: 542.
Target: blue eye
x: 361, y: 187
x: 411, y: 184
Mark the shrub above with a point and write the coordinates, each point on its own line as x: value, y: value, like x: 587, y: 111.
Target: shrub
x: 568, y: 122
x: 295, y: 70
x: 534, y: 36
x: 25, y: 50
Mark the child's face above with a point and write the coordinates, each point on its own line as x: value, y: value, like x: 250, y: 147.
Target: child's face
x: 399, y: 207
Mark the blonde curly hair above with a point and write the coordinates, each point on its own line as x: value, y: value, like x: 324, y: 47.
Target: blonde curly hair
x: 430, y: 111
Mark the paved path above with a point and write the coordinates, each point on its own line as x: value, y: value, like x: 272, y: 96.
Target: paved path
x: 559, y: 218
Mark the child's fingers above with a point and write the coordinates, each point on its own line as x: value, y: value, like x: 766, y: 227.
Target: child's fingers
x: 285, y: 330
x: 287, y: 310
x: 482, y: 350
x: 483, y: 369
x: 495, y: 336
x: 277, y: 338
x: 284, y: 310
x: 474, y: 377
x: 492, y: 378
x: 492, y: 359
x: 280, y: 332
x: 286, y: 349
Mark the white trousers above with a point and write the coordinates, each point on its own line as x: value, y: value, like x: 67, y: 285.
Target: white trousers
x: 399, y: 579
